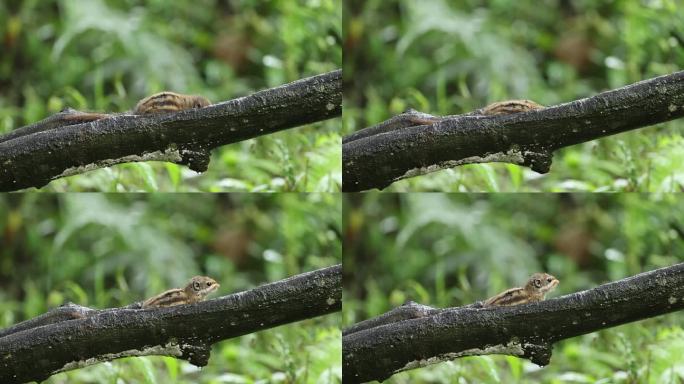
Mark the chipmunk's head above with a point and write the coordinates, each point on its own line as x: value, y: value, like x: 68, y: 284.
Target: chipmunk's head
x: 541, y: 283
x: 200, y: 286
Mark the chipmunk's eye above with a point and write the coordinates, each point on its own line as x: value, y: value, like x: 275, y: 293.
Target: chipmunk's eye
x: 549, y: 280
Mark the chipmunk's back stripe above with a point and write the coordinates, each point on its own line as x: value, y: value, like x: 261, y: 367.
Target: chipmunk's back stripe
x: 165, y: 299
x: 510, y: 106
x: 162, y: 95
x: 510, y: 300
x: 508, y: 297
x: 160, y: 102
x: 161, y: 106
x: 165, y: 102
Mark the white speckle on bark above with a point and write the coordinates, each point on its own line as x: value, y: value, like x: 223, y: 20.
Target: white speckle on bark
x: 513, y: 156
x: 330, y: 300
x: 672, y: 107
x: 672, y: 300
x: 513, y: 348
x: 170, y: 349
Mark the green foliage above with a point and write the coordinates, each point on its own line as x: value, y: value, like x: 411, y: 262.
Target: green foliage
x: 453, y: 249
x: 450, y: 57
x: 108, y: 250
x: 105, y: 55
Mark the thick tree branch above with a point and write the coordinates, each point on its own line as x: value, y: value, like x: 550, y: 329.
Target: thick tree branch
x: 34, y: 159
x: 529, y: 330
x: 186, y: 332
x: 381, y: 156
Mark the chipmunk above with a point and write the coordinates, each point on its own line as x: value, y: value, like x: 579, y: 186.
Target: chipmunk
x: 163, y: 102
x: 195, y: 291
x: 507, y: 107
x: 538, y: 285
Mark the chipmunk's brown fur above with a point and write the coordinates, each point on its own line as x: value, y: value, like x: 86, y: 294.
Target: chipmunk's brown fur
x: 508, y: 107
x: 164, y: 102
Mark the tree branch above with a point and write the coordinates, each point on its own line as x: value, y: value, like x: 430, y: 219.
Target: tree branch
x: 32, y: 159
x: 382, y: 155
x: 186, y: 331
x: 529, y: 330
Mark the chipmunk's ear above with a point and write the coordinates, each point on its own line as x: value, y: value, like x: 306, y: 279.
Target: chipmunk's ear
x: 537, y: 283
x: 196, y: 285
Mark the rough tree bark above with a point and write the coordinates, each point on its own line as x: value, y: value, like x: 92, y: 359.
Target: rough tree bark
x: 380, y: 157
x: 35, y: 352
x: 34, y: 159
x: 414, y: 336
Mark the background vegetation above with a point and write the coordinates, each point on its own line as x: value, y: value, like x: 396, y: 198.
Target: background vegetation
x: 450, y: 57
x: 105, y: 55
x: 103, y: 251
x: 449, y: 250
